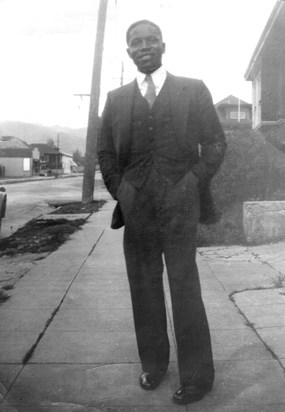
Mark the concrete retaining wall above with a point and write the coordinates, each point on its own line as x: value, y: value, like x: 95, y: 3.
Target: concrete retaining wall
x: 264, y: 222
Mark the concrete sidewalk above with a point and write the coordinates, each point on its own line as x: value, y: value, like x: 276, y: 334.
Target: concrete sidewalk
x: 67, y: 340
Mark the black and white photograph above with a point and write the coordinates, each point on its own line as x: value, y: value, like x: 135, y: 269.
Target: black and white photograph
x: 142, y: 206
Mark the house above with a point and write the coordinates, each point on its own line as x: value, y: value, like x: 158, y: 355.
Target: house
x: 15, y: 157
x: 49, y: 160
x: 266, y: 71
x: 46, y: 159
x: 234, y: 112
x: 68, y: 164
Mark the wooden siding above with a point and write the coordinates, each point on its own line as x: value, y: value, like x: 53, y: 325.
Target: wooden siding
x: 270, y: 92
x: 282, y: 87
x: 14, y: 167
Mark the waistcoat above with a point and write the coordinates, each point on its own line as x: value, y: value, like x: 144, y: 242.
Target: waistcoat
x: 154, y: 141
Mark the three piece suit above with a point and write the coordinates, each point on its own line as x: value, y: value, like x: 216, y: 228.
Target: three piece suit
x: 158, y: 162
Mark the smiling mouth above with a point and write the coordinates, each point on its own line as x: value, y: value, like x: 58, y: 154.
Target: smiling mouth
x: 146, y: 58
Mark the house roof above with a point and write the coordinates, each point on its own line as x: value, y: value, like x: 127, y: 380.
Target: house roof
x: 9, y: 142
x: 72, y: 163
x: 67, y: 154
x: 267, y: 31
x: 232, y: 101
x: 45, y: 148
x: 11, y: 146
x: 23, y: 153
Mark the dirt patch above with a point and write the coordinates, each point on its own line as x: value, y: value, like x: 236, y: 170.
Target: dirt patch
x: 39, y: 236
x: 44, y: 235
x: 77, y: 207
x: 36, y: 240
x: 3, y: 296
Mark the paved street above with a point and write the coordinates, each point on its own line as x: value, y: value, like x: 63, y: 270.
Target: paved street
x: 30, y: 199
x: 67, y: 340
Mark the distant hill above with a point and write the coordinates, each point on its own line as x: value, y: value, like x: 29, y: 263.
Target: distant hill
x: 69, y: 139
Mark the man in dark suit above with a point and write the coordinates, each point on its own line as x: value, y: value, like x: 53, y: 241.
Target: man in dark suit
x: 159, y: 146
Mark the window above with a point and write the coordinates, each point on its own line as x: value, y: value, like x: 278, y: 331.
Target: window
x: 26, y: 164
x: 238, y: 115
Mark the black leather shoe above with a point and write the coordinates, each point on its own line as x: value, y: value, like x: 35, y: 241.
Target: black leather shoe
x: 190, y: 393
x: 150, y: 381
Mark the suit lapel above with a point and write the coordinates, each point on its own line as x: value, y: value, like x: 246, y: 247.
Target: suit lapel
x: 179, y: 103
x: 124, y: 110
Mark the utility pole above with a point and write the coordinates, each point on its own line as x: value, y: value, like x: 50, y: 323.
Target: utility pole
x: 93, y: 119
x: 122, y: 74
x: 238, y: 110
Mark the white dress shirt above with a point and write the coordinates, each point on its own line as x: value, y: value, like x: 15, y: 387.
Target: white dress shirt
x: 158, y: 78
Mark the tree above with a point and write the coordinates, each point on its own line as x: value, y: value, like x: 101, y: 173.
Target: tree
x: 78, y: 158
x: 50, y: 141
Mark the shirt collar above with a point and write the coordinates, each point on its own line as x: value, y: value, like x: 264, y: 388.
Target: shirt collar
x: 158, y: 76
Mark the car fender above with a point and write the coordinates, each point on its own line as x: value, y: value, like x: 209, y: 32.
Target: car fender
x: 3, y: 202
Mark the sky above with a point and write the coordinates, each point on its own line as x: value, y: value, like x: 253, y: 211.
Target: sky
x: 47, y: 48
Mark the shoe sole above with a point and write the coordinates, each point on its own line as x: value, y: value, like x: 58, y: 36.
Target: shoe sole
x: 154, y: 385
x: 191, y: 398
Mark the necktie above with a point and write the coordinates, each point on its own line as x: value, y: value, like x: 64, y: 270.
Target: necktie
x: 150, y: 95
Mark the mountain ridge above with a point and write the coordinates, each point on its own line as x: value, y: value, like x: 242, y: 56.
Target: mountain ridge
x: 69, y: 139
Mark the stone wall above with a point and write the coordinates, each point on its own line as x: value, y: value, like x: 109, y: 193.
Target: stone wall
x: 264, y: 222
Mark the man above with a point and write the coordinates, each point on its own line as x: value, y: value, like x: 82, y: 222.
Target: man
x: 159, y: 146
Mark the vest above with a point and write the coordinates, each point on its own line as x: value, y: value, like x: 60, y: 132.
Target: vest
x: 154, y: 141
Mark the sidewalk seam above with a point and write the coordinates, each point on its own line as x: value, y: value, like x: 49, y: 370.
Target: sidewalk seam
x: 281, y: 276
x: 31, y: 351
x: 251, y: 325
x: 248, y: 323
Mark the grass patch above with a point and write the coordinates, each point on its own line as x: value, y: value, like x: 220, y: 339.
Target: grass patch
x: 228, y: 231
x: 253, y: 170
x: 78, y: 207
x: 39, y: 236
x: 46, y: 235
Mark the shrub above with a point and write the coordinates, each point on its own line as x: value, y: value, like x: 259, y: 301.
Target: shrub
x: 253, y: 169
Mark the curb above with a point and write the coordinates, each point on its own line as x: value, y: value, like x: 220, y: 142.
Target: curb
x: 36, y: 179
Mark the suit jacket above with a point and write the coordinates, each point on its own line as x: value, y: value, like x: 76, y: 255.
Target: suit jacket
x: 197, y: 128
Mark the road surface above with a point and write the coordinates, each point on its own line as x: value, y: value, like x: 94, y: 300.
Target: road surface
x: 27, y: 200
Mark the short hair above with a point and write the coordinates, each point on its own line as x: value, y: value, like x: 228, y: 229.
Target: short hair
x: 137, y: 23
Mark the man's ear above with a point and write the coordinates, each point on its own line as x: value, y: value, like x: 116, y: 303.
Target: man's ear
x: 163, y: 47
x: 128, y: 51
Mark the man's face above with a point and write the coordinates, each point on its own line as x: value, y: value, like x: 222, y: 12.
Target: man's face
x: 145, y: 47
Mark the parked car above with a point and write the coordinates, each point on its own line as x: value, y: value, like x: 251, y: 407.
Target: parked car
x: 45, y: 172
x: 3, y: 203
